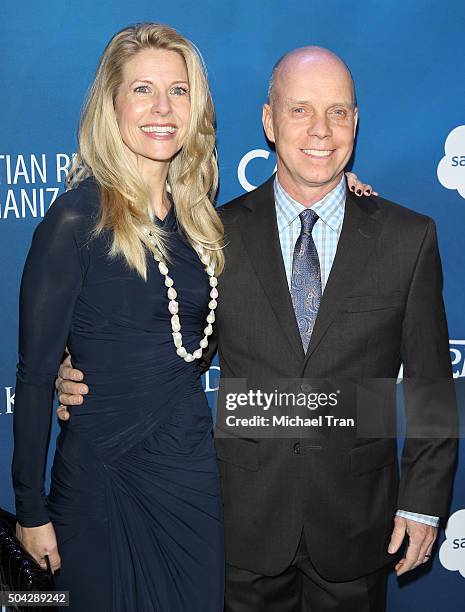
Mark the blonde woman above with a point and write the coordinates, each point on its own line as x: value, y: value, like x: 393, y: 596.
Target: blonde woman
x: 123, y: 270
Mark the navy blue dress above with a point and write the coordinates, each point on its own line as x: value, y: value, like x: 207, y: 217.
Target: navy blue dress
x: 135, y: 494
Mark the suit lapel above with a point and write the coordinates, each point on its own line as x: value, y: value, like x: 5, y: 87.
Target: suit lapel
x: 259, y: 232
x: 356, y: 242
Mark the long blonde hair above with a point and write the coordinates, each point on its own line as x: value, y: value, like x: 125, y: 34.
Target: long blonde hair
x: 193, y: 172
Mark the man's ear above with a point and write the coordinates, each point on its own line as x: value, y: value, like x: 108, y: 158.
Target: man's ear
x: 355, y: 120
x: 267, y: 121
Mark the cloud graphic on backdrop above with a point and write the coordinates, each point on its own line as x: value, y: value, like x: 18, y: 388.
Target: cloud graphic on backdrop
x: 452, y: 551
x: 451, y: 168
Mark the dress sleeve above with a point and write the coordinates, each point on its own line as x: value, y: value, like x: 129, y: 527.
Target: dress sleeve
x: 51, y: 282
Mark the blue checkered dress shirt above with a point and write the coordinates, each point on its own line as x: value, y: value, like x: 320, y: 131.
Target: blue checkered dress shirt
x: 325, y: 234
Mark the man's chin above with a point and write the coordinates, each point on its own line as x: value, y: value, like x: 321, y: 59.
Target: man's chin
x: 322, y: 181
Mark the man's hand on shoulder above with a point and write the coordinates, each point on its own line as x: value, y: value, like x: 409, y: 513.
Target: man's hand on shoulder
x: 421, y: 540
x: 70, y: 390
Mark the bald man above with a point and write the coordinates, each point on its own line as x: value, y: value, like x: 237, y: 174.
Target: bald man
x: 319, y: 285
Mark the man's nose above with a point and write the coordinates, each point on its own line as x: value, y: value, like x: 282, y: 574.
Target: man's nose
x: 320, y: 127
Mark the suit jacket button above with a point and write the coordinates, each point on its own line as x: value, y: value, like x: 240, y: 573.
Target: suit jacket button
x: 297, y: 448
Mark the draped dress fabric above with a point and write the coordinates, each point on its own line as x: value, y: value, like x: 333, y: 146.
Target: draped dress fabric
x: 135, y: 494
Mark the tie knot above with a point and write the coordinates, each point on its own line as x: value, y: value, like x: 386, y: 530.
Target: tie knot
x: 308, y: 218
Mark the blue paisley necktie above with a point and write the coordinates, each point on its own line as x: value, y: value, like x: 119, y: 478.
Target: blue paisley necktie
x: 306, y: 278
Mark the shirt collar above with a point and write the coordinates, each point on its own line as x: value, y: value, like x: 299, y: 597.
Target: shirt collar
x: 330, y: 209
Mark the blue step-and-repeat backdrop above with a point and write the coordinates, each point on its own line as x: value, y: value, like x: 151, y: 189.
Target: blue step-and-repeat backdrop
x: 408, y: 61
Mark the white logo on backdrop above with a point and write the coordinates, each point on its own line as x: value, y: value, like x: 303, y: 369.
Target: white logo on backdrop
x: 242, y: 167
x: 457, y: 356
x: 452, y: 551
x: 9, y: 400
x: 451, y: 168
x: 30, y: 183
x: 457, y: 351
x: 212, y: 377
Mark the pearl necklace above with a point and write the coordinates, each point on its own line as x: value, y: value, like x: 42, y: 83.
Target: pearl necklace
x: 173, y: 305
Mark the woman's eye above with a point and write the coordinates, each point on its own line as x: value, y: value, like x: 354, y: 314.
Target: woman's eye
x: 179, y: 91
x: 142, y: 89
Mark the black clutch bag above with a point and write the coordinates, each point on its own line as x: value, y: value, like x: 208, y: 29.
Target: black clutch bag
x: 18, y: 570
